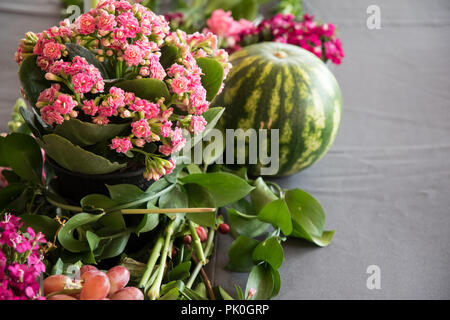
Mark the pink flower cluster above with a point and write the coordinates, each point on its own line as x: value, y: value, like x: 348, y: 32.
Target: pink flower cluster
x: 130, y: 39
x: 318, y: 38
x: 222, y: 24
x: 20, y: 261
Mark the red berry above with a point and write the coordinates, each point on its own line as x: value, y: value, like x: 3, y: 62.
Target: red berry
x: 174, y: 251
x: 87, y: 268
x: 202, y: 234
x: 187, y: 239
x: 224, y: 228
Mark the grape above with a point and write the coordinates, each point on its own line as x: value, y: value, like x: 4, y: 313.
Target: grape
x: 55, y: 283
x: 128, y: 293
x: 87, y: 268
x: 118, y: 277
x: 96, y: 287
x: 89, y: 274
x: 61, y: 297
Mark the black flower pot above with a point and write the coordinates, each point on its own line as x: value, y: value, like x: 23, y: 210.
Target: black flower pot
x: 75, y: 186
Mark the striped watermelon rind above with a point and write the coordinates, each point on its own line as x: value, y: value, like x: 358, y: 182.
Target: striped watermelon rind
x: 281, y: 86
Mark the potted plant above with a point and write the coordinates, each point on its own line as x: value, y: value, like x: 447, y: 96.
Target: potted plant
x: 116, y: 93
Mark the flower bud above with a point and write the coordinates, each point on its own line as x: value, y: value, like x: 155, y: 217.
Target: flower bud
x: 201, y: 232
x: 224, y: 228
x: 187, y: 239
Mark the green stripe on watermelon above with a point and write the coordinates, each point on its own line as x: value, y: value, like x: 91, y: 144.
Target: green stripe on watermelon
x: 281, y: 86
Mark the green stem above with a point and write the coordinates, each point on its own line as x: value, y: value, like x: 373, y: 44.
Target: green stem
x: 30, y: 207
x: 153, y: 293
x: 152, y: 261
x: 197, y: 243
x: 199, y: 266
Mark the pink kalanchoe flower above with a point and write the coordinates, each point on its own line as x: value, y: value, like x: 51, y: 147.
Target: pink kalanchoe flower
x: 49, y: 95
x: 180, y: 85
x: 117, y: 97
x: 89, y: 107
x: 166, y: 129
x: 129, y: 22
x: 83, y: 82
x: 166, y: 150
x: 86, y: 24
x: 50, y: 116
x: 121, y: 145
x: 141, y: 129
x: 178, y: 141
x: 52, y: 50
x: 106, y: 21
x: 198, y: 124
x: 64, y: 104
x: 133, y: 55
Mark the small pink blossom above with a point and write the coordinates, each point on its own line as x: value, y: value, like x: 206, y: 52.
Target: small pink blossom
x: 89, y: 107
x: 166, y: 150
x: 121, y: 145
x: 141, y: 129
x: 198, y: 124
x: 86, y: 24
x: 83, y: 82
x: 178, y: 141
x: 133, y: 55
x: 166, y: 129
x: 180, y: 85
x: 64, y: 104
x: 52, y: 50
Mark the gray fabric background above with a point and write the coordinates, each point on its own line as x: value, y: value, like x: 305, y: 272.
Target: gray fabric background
x: 385, y: 184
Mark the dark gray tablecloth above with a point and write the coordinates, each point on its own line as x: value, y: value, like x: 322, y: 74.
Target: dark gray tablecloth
x: 385, y: 184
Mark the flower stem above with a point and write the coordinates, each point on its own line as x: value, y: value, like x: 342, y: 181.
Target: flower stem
x: 152, y: 261
x: 197, y: 243
x: 199, y: 266
x: 153, y: 293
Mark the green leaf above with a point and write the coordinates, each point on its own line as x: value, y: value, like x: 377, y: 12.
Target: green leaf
x: 307, y: 213
x: 149, y: 89
x: 9, y: 193
x: 113, y: 220
x: 34, y: 122
x: 269, y: 251
x: 261, y: 195
x: 124, y: 193
x: 246, y: 9
x: 276, y: 283
x: 200, y: 289
x: 149, y: 221
x: 93, y: 240
x: 87, y: 134
x: 66, y: 234
x: 322, y: 241
x: 212, y: 76
x: 173, y: 294
x: 191, y: 294
x: 180, y: 272
x: 239, y: 292
x: 115, y: 246
x: 77, y: 50
x: 221, y: 294
x: 250, y: 227
x: 199, y: 197
x: 240, y: 254
x: 224, y: 187
x: 262, y: 278
x: 40, y: 223
x: 32, y: 79
x: 76, y: 159
x: 176, y: 198
x: 277, y: 213
x: 3, y: 162
x: 169, y: 55
x: 24, y: 156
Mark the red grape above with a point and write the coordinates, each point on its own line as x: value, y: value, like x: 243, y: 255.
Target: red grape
x: 128, y: 293
x: 118, y: 277
x: 224, y: 228
x: 202, y: 234
x: 87, y: 268
x: 89, y: 274
x: 96, y: 287
x: 61, y: 297
x: 55, y: 283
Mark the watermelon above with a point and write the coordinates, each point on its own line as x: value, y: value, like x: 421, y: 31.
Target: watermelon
x: 281, y: 86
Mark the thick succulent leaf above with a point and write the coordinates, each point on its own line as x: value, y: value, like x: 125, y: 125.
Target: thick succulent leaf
x: 149, y: 89
x: 32, y: 79
x: 212, y: 76
x: 76, y: 159
x: 87, y: 134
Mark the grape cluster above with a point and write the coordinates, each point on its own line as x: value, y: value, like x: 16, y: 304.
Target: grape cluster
x: 95, y: 285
